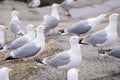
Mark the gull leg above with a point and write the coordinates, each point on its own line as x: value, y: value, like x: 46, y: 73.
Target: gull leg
x: 15, y: 36
x: 98, y: 56
x: 65, y: 74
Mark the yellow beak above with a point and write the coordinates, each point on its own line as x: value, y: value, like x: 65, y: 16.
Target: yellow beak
x: 81, y: 38
x: 6, y: 28
x: 46, y: 27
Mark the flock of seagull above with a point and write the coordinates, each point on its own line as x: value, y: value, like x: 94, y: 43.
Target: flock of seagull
x: 32, y: 43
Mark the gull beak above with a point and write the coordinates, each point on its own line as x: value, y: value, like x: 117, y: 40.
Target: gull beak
x: 6, y: 28
x: 35, y: 26
x: 46, y: 27
x: 9, y: 70
x: 59, y: 5
x: 80, y: 39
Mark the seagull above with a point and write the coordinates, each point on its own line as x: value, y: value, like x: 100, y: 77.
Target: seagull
x: 4, y: 73
x: 30, y: 36
x: 52, y: 20
x: 15, y: 24
x: 67, y: 59
x: 34, y: 3
x: 104, y: 37
x: 66, y: 4
x: 54, y: 12
x: 72, y: 74
x: 84, y: 26
x: 32, y: 49
x: 115, y: 52
x: 2, y: 35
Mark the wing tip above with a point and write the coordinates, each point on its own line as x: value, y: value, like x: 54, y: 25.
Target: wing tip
x: 62, y: 30
x: 39, y: 61
x: 9, y: 58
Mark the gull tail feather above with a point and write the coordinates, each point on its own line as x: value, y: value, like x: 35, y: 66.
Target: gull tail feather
x: 62, y: 30
x: 104, y: 51
x: 39, y: 61
x: 1, y: 48
x: 10, y: 58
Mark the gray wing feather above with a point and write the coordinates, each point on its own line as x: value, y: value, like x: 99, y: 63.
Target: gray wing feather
x: 27, y: 50
x: 17, y: 43
x: 58, y: 60
x: 115, y: 52
x: 52, y: 22
x: 79, y: 28
x: 15, y: 26
x: 96, y: 38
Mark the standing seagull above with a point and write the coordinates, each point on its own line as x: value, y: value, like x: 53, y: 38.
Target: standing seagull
x: 32, y: 49
x: 106, y: 36
x: 52, y: 20
x: 34, y: 3
x: 67, y: 59
x: 4, y: 73
x: 2, y: 35
x: 84, y: 26
x: 66, y: 5
x: 30, y: 36
x: 15, y: 24
x: 72, y: 74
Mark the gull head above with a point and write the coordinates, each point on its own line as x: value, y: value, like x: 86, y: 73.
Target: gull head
x: 102, y: 17
x: 75, y: 39
x: 4, y: 73
x: 55, y: 5
x: 114, y: 17
x: 15, y: 13
x: 3, y: 27
x: 41, y: 28
x: 30, y: 27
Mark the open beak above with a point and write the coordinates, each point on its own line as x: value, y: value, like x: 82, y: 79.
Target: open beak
x: 80, y: 39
